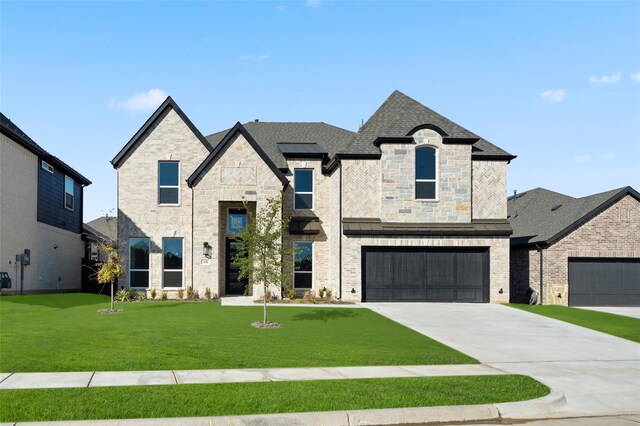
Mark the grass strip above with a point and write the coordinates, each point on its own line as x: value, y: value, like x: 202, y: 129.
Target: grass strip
x: 63, y: 332
x: 261, y: 398
x: 615, y: 325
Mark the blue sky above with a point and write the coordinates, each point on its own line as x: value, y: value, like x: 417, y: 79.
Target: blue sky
x: 557, y: 84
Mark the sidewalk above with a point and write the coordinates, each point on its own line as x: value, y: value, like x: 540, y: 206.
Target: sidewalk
x: 178, y: 377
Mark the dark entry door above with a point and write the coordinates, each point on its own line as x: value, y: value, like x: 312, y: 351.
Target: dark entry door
x: 417, y: 274
x: 233, y: 285
x: 604, y: 282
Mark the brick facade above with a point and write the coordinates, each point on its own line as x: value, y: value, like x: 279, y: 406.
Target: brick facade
x: 613, y: 233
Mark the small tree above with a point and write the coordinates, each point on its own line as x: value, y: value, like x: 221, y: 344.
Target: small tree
x: 261, y: 254
x: 112, y: 269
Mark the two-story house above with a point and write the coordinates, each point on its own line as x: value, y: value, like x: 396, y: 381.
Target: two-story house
x: 40, y: 212
x: 411, y: 207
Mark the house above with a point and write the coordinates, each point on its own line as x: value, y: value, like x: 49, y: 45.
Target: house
x: 96, y: 233
x: 40, y: 216
x: 411, y: 207
x: 576, y: 251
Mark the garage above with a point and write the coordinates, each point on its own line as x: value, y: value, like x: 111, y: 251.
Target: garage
x: 419, y: 274
x: 604, y: 282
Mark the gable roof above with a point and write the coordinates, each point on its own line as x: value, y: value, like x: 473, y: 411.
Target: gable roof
x: 399, y: 115
x: 9, y: 129
x: 105, y: 227
x: 269, y: 134
x: 168, y: 103
x: 220, y: 148
x: 540, y: 216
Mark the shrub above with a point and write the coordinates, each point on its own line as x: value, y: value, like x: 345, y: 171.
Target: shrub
x: 141, y: 295
x: 192, y: 294
x: 309, y: 296
x: 207, y: 293
x: 328, y: 293
x: 181, y: 294
x: 123, y: 295
x: 291, y: 293
x: 189, y: 293
x: 154, y: 293
x: 321, y: 292
x: 164, y: 296
x: 268, y: 294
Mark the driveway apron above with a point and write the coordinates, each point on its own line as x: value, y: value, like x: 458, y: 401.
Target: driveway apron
x: 599, y: 373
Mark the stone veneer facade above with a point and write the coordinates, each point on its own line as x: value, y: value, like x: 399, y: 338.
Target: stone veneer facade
x: 362, y: 188
x: 613, y: 233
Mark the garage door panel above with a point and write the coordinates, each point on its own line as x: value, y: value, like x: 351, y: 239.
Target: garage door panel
x: 604, y: 282
x: 407, y: 274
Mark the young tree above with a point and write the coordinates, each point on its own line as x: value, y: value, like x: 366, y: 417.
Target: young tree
x: 261, y: 253
x: 111, y: 269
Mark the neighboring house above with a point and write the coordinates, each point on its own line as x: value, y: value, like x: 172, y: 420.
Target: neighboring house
x: 40, y: 211
x: 576, y: 251
x: 412, y: 207
x: 98, y: 232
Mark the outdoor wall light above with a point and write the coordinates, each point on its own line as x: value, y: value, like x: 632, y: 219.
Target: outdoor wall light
x: 560, y: 295
x: 206, y: 250
x: 353, y: 291
x: 500, y: 291
x: 55, y: 246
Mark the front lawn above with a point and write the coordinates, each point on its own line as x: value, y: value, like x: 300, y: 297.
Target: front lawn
x: 262, y: 398
x: 616, y: 325
x: 63, y: 332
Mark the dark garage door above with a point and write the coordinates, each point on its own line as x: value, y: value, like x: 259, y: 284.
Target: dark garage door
x: 604, y: 282
x: 417, y: 274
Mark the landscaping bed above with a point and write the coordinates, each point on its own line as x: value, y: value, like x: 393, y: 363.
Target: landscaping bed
x: 262, y: 397
x: 616, y: 325
x: 64, y: 332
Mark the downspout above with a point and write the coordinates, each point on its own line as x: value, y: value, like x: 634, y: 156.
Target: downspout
x: 340, y: 234
x: 193, y: 258
x: 540, y: 249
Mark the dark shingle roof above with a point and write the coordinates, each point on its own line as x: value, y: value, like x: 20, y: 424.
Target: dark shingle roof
x: 400, y: 114
x: 540, y: 216
x: 15, y: 133
x: 105, y: 227
x: 269, y: 134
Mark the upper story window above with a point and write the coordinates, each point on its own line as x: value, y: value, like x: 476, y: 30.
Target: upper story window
x: 169, y: 182
x: 303, y: 188
x: 46, y: 166
x: 426, y: 188
x: 68, y: 192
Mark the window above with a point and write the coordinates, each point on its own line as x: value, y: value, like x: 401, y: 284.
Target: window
x: 303, y: 188
x: 46, y: 166
x: 303, y: 264
x: 68, y: 192
x: 172, y: 262
x: 169, y: 182
x: 426, y: 173
x: 236, y: 221
x: 139, y: 262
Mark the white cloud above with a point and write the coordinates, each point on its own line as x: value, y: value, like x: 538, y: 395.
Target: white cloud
x: 605, y: 79
x: 139, y: 102
x: 635, y: 77
x: 580, y: 159
x: 553, y: 96
x: 314, y: 3
x: 254, y: 57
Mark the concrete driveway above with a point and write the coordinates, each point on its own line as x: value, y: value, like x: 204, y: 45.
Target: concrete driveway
x: 599, y: 373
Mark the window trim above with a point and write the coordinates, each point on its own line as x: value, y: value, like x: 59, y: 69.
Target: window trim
x: 49, y: 168
x: 73, y: 195
x: 295, y: 192
x: 148, y: 270
x: 303, y: 272
x: 169, y: 186
x: 436, y: 172
x: 173, y: 270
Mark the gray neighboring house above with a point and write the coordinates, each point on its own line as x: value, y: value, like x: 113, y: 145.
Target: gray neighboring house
x: 411, y: 207
x: 576, y: 251
x: 41, y: 201
x: 100, y: 231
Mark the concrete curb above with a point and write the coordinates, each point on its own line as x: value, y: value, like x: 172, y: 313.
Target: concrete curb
x: 387, y: 416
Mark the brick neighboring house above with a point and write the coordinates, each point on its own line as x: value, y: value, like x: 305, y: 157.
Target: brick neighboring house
x: 41, y: 201
x: 576, y: 251
x: 412, y: 207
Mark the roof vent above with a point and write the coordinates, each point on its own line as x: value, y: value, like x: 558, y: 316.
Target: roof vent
x: 556, y: 207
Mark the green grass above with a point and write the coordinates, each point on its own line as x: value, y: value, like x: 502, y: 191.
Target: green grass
x: 616, y: 325
x: 261, y: 398
x: 63, y: 332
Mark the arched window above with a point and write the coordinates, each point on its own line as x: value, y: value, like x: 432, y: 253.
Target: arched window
x: 426, y: 173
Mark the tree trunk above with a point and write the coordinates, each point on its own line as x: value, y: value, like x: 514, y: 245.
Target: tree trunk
x: 111, y: 285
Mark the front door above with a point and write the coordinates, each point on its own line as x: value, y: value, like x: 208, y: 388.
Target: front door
x: 233, y: 285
